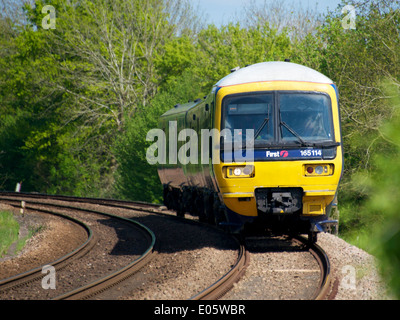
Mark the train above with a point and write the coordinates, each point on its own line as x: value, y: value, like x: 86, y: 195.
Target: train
x: 262, y: 150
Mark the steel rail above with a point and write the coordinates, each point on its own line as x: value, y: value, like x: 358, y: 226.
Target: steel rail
x: 323, y: 260
x: 107, y: 201
x: 219, y: 288
x: 35, y: 273
x: 213, y: 292
x: 111, y: 279
x: 118, y: 276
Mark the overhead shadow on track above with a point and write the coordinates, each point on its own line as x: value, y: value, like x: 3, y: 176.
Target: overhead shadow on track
x: 132, y: 240
x: 273, y: 243
x: 175, y: 235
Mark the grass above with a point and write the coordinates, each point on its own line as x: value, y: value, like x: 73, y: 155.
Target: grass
x: 9, y: 232
x: 9, y: 229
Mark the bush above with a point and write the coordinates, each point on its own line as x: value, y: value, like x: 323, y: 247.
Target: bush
x: 382, y: 221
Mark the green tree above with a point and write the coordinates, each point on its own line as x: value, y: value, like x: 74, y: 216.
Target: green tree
x: 382, y: 187
x: 220, y: 50
x: 136, y: 179
x: 215, y: 51
x: 28, y: 110
x: 67, y: 92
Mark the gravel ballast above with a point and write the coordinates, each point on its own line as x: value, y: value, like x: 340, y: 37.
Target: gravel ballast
x: 354, y: 271
x: 283, y: 273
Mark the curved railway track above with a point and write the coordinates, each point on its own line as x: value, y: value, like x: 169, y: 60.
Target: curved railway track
x: 216, y: 290
x: 10, y: 286
x: 35, y: 273
x: 322, y: 258
x: 34, y: 200
x: 284, y: 268
x: 225, y: 283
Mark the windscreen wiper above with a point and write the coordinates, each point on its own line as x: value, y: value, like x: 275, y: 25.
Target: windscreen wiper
x: 261, y: 127
x: 327, y: 144
x: 283, y: 123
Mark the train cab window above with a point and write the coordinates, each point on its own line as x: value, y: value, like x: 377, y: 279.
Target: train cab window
x: 249, y: 112
x: 305, y: 117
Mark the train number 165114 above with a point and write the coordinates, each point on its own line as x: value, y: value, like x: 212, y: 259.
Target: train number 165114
x: 311, y: 153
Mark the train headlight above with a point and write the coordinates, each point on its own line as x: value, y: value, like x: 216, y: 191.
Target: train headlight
x: 248, y: 170
x: 238, y: 171
x: 319, y: 170
x: 315, y: 170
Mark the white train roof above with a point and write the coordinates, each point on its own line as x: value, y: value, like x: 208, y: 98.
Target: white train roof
x: 273, y: 71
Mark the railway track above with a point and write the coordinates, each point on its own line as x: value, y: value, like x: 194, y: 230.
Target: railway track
x: 284, y: 268
x: 322, y: 258
x: 34, y: 200
x: 219, y: 287
x: 35, y: 273
x: 20, y: 286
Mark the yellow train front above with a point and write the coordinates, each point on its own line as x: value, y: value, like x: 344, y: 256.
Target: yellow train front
x: 275, y: 157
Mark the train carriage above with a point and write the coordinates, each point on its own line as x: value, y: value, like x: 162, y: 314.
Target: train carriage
x: 265, y: 149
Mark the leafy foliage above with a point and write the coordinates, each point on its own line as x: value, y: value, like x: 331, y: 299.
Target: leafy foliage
x: 382, y: 234
x: 136, y: 178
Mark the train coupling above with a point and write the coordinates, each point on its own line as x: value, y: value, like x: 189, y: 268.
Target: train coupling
x: 324, y: 226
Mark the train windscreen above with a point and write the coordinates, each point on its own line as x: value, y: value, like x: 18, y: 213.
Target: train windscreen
x: 278, y: 117
x: 250, y: 112
x: 305, y: 116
